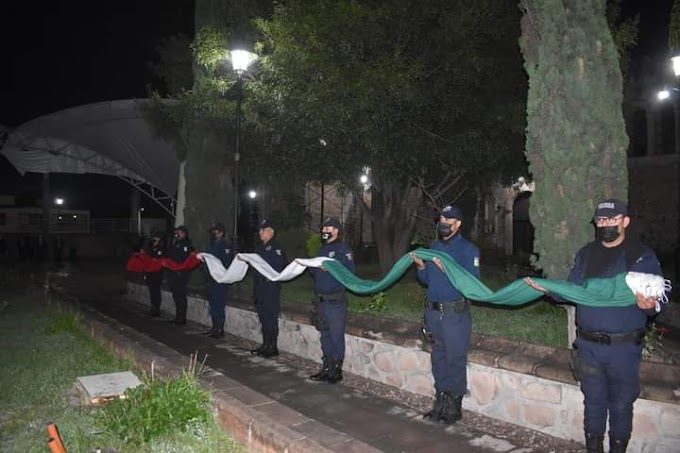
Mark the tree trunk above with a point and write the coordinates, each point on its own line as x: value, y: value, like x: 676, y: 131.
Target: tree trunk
x: 393, y: 216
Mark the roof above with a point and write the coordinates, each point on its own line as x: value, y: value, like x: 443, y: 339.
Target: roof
x: 109, y: 138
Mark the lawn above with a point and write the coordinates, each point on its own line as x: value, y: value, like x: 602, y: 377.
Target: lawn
x: 43, y: 348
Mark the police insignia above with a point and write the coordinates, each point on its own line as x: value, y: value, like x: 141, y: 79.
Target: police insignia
x: 331, y: 254
x: 476, y: 261
x: 268, y: 248
x: 186, y: 249
x: 227, y: 251
x: 349, y: 256
x: 278, y: 252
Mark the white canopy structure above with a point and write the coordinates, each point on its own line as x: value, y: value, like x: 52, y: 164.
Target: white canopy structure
x: 109, y: 138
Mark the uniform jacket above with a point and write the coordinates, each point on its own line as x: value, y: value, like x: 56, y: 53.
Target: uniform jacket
x: 180, y: 249
x: 324, y: 282
x: 439, y: 287
x: 222, y: 250
x: 155, y: 251
x: 273, y: 254
x: 595, y: 260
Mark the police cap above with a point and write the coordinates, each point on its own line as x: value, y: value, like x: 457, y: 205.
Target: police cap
x: 332, y: 222
x: 611, y: 207
x: 452, y: 212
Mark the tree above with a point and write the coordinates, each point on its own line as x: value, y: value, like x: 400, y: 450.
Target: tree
x: 427, y: 95
x: 576, y: 139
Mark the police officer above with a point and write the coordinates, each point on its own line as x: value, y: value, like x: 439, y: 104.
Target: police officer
x: 178, y: 251
x: 222, y: 250
x: 267, y: 294
x: 447, y: 317
x: 331, y: 301
x: 608, y: 348
x: 155, y: 248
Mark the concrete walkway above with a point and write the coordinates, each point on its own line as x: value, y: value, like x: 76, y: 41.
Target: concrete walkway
x: 297, y: 414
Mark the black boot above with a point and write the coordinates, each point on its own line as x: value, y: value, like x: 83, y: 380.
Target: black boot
x: 218, y: 333
x: 436, y: 410
x: 335, y: 372
x: 452, y: 410
x: 209, y: 331
x: 594, y: 443
x: 322, y: 375
x: 617, y: 445
x: 270, y: 349
x: 262, y: 347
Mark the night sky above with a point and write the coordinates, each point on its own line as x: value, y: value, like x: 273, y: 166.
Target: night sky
x: 64, y: 53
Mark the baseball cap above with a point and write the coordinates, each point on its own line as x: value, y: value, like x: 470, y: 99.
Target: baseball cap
x: 452, y: 212
x: 217, y: 226
x: 332, y: 222
x: 266, y: 224
x: 181, y: 228
x: 611, y: 207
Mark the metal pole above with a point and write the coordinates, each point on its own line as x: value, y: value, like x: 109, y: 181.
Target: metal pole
x: 237, y: 156
x: 323, y: 198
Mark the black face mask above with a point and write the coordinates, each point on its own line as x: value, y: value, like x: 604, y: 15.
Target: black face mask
x: 608, y: 233
x: 325, y: 238
x: 443, y: 229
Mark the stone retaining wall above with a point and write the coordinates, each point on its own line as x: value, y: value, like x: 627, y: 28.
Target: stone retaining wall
x: 524, y: 384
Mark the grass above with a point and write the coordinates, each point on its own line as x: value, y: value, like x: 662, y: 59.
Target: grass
x: 540, y: 322
x: 43, y: 348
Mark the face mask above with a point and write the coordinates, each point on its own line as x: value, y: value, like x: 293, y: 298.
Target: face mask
x: 443, y: 229
x: 608, y: 233
x: 325, y: 237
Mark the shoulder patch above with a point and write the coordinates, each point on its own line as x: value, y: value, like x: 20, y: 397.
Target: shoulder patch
x: 278, y: 252
x: 331, y: 254
x: 227, y: 251
x: 268, y: 248
x: 349, y: 256
x: 476, y: 261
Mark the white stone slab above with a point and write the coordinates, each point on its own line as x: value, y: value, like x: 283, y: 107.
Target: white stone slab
x: 100, y: 388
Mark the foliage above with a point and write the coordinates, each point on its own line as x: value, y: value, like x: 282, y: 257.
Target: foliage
x: 412, y: 93
x: 576, y: 139
x: 65, y: 322
x: 173, y: 64
x: 674, y: 29
x: 653, y: 340
x: 313, y: 244
x: 376, y: 305
x: 155, y: 409
x: 624, y: 32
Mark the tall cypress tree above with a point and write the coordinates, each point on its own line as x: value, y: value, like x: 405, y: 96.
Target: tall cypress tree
x: 576, y: 139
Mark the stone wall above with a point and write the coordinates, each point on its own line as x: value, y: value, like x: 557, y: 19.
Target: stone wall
x: 524, y: 384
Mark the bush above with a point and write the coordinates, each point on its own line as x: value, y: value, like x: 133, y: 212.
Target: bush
x: 155, y: 409
x: 313, y: 244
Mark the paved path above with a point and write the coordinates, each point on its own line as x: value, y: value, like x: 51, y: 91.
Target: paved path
x: 374, y: 414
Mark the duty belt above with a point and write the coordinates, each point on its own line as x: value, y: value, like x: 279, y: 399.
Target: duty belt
x: 636, y: 336
x: 330, y: 297
x: 458, y: 306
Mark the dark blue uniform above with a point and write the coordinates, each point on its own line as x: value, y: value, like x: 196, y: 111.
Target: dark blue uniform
x: 179, y: 251
x: 154, y: 280
x: 267, y: 294
x: 610, y: 373
x: 447, y: 316
x: 223, y: 251
x: 332, y: 300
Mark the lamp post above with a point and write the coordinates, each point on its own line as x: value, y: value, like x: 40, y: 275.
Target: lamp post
x: 240, y: 60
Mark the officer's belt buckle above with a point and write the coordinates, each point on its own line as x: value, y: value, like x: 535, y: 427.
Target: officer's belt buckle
x: 603, y: 338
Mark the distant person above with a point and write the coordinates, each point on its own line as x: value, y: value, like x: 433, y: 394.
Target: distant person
x: 221, y: 249
x: 155, y: 248
x: 179, y: 250
x: 608, y: 349
x: 267, y: 294
x: 331, y: 302
x: 447, y: 317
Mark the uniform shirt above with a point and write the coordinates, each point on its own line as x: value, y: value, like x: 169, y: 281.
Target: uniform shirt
x: 274, y: 255
x: 439, y: 287
x: 179, y: 250
x: 324, y: 282
x: 595, y: 260
x: 155, y: 251
x: 222, y: 250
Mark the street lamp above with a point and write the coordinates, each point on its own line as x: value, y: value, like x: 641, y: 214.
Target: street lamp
x: 240, y: 60
x: 59, y: 201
